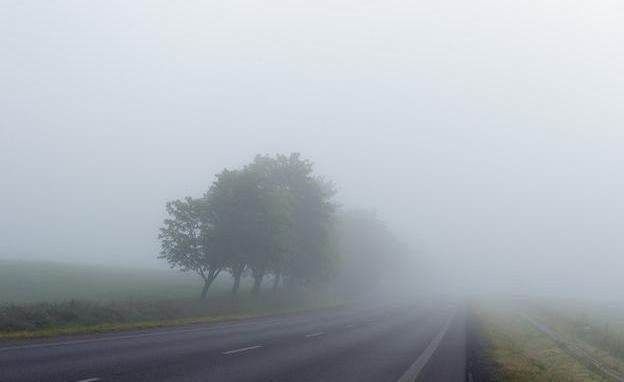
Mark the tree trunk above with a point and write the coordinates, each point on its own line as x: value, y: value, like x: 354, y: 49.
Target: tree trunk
x: 257, y: 282
x: 204, y: 291
x: 207, y: 282
x: 276, y: 280
x: 237, y: 278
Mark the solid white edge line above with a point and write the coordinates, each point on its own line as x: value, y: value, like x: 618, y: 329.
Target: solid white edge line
x: 315, y: 334
x: 412, y: 373
x: 242, y: 349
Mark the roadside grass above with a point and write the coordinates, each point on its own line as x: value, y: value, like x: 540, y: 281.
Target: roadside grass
x: 77, y: 317
x: 39, y: 299
x: 116, y: 327
x: 599, y: 328
x: 76, y: 329
x: 521, y: 353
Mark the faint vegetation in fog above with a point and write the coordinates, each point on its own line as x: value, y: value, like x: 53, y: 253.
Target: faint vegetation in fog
x: 275, y: 216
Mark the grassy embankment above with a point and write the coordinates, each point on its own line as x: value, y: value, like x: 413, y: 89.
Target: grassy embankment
x: 597, y: 327
x: 47, y: 299
x: 522, y: 353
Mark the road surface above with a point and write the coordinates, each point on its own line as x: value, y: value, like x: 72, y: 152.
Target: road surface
x: 358, y: 343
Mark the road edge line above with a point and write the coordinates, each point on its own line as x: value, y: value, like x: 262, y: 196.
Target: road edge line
x: 416, y: 368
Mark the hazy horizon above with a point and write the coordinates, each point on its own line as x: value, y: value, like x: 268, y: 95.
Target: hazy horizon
x: 488, y: 135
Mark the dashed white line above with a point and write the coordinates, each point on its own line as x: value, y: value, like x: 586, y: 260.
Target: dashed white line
x: 90, y: 380
x: 242, y: 349
x: 315, y: 334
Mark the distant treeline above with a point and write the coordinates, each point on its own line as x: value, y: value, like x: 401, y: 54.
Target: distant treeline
x: 275, y: 217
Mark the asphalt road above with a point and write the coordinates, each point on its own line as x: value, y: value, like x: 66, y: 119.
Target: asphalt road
x: 358, y: 343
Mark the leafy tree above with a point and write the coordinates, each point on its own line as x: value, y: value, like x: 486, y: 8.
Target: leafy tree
x: 273, y: 216
x: 232, y: 204
x: 302, y: 210
x: 190, y: 243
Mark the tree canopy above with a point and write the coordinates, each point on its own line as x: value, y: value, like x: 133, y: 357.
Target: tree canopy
x: 272, y: 217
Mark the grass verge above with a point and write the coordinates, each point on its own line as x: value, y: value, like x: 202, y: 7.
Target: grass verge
x: 79, y: 317
x: 521, y: 353
x: 597, y: 331
x: 126, y: 326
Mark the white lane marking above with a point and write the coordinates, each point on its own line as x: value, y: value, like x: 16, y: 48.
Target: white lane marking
x: 90, y: 380
x: 129, y: 336
x: 315, y: 334
x: 242, y: 349
x: 412, y: 373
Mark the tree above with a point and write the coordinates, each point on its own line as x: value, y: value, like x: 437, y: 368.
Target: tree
x: 231, y: 204
x: 312, y: 211
x: 189, y: 241
x: 271, y: 220
x: 298, y: 221
x: 273, y: 216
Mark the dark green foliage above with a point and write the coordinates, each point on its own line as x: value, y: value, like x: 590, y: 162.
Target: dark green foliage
x: 275, y: 217
x: 190, y: 241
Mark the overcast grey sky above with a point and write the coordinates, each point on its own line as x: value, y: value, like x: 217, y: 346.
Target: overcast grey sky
x: 488, y: 133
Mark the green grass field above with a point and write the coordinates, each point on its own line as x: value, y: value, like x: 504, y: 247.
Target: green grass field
x: 23, y: 282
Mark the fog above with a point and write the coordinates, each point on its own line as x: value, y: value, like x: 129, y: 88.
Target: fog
x: 487, y: 134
